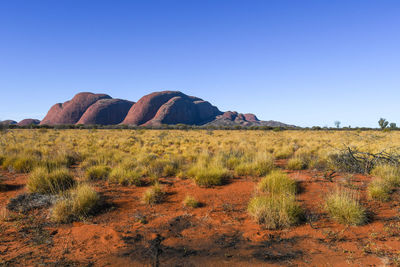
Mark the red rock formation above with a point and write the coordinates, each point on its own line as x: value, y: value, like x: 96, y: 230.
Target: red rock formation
x: 106, y: 112
x: 170, y: 107
x: 166, y: 107
x: 250, y: 117
x: 71, y: 111
x: 146, y: 108
x: 8, y: 122
x: 27, y: 122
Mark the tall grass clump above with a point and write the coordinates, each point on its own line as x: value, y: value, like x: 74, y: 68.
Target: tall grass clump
x: 81, y: 202
x: 260, y: 165
x: 125, y: 176
x: 154, y: 195
x: 284, y: 152
x: 98, y: 172
x: 275, y: 204
x: 275, y: 211
x: 379, y: 189
x: 344, y: 207
x: 43, y: 181
x: 389, y: 173
x: 19, y: 164
x: 387, y: 178
x: 209, y: 174
x: 277, y: 182
x: 296, y: 163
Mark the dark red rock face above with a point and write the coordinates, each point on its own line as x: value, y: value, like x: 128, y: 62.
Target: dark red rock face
x: 71, y: 111
x: 250, y: 117
x: 146, y: 108
x: 27, y: 122
x: 239, y: 117
x: 170, y: 107
x: 177, y: 110
x: 106, y: 112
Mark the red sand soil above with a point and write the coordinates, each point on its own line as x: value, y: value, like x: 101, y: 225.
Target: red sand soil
x: 220, y: 233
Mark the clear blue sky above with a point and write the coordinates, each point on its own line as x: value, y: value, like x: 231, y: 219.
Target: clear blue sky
x: 300, y: 62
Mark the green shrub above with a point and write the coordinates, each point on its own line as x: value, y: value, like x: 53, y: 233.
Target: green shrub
x: 379, y: 189
x: 95, y: 173
x: 124, y: 176
x: 42, y: 181
x: 190, y: 201
x: 154, y: 195
x: 275, y: 211
x: 81, y: 202
x: 277, y: 182
x: 344, y: 207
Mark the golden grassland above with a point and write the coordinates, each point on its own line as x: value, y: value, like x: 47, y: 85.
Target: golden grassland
x: 67, y: 161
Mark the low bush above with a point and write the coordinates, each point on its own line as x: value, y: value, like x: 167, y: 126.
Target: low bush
x: 275, y: 211
x: 154, y: 195
x: 95, y: 173
x: 43, y: 181
x: 190, y: 201
x: 277, y: 182
x: 81, y: 202
x: 344, y: 207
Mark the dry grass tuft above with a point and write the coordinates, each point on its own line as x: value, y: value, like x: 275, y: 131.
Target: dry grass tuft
x: 43, y: 181
x: 344, y: 207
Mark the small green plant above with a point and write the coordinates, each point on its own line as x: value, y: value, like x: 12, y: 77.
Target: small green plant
x: 344, y: 207
x: 98, y: 172
x: 190, y: 201
x: 81, y: 202
x: 49, y: 182
x: 154, y: 195
x: 275, y: 211
x: 277, y: 182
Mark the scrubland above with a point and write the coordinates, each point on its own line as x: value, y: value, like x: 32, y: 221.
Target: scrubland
x: 281, y: 187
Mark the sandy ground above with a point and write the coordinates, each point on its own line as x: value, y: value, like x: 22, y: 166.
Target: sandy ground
x: 220, y: 233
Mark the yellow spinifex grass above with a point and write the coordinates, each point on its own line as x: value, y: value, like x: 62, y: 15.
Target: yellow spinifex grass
x: 79, y: 203
x: 344, y: 207
x: 43, y: 181
x: 277, y: 182
x: 275, y: 211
